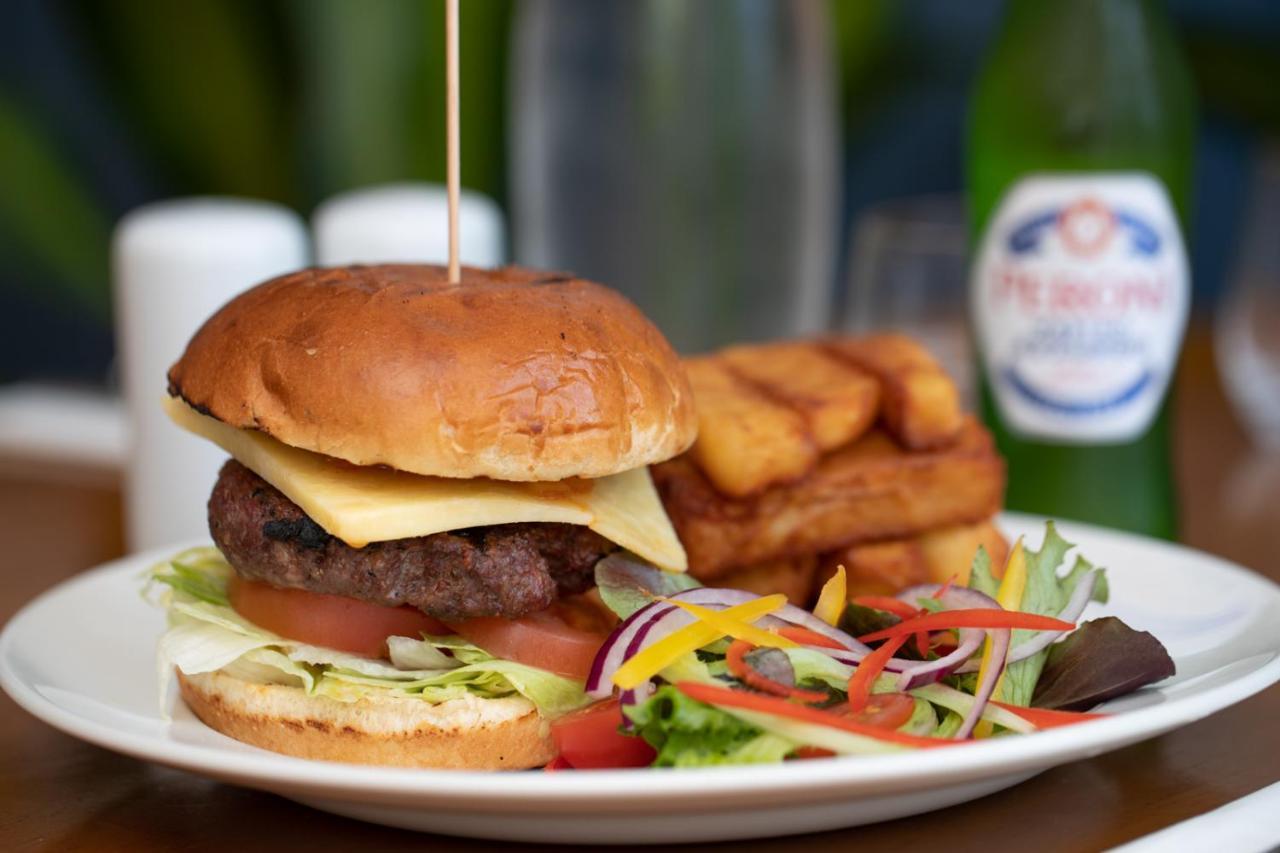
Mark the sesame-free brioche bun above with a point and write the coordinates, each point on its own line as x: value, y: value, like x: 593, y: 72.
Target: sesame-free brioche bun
x: 470, y: 733
x: 513, y: 374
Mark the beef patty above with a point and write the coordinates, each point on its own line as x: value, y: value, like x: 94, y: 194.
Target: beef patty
x: 504, y: 570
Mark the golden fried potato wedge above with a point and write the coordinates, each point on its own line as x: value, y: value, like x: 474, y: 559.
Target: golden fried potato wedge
x: 793, y: 578
x: 838, y: 401
x: 746, y: 441
x: 875, y: 568
x: 869, y: 490
x: 919, y: 403
x: 935, y: 556
x: 948, y: 551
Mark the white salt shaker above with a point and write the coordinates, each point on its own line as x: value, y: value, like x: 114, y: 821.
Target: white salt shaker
x: 174, y: 263
x: 407, y: 223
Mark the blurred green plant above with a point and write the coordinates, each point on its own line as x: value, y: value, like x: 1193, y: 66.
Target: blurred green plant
x: 372, y: 88
x: 201, y: 82
x: 47, y: 218
x: 288, y: 100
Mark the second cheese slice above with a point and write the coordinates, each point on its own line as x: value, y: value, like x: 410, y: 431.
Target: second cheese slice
x: 360, y: 505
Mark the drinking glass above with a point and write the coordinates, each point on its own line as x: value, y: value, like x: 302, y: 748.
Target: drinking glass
x: 1247, y: 334
x: 684, y: 153
x: 907, y: 272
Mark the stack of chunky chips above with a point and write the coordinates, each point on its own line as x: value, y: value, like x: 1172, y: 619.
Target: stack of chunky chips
x: 837, y: 451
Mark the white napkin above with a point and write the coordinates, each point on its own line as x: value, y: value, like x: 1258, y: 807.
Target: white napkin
x: 1248, y: 825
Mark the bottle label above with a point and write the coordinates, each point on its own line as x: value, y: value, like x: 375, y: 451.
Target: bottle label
x: 1079, y: 299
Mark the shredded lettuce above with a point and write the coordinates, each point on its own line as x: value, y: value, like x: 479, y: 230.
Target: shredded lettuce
x: 205, y: 634
x: 950, y: 724
x: 923, y: 721
x: 1046, y: 593
x: 688, y: 733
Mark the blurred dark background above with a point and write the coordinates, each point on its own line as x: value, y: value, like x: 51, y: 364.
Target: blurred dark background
x: 108, y: 105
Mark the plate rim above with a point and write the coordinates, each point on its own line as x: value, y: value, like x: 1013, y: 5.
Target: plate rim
x: 695, y: 788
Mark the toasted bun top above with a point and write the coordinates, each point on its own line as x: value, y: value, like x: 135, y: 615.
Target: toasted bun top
x: 513, y: 374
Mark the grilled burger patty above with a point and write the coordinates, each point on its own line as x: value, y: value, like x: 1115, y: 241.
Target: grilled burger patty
x: 504, y: 570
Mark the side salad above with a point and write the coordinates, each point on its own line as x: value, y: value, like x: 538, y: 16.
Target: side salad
x: 705, y: 676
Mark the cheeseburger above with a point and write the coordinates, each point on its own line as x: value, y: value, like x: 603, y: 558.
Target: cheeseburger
x: 422, y: 478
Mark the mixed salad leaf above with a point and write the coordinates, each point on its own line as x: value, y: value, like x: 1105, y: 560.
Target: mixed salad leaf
x: 206, y: 634
x: 1102, y: 659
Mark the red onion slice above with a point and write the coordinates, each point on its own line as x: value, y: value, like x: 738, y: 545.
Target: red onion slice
x: 1079, y: 600
x: 952, y: 597
x: 932, y: 671
x: 612, y: 653
x: 999, y: 652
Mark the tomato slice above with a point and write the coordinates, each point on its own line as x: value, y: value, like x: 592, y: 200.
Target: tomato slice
x: 333, y: 621
x: 886, y: 710
x: 589, y: 739
x: 804, y: 753
x: 559, y: 641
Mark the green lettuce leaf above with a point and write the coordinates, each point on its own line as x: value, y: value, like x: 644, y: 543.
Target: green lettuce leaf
x: 205, y: 634
x: 950, y: 724
x: 1046, y: 593
x: 687, y: 733
x: 981, y: 577
x: 923, y: 721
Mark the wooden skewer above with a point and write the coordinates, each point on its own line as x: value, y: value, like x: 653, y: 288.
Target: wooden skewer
x: 453, y: 158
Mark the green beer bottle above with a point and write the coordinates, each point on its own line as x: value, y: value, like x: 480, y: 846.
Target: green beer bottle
x: 1079, y: 163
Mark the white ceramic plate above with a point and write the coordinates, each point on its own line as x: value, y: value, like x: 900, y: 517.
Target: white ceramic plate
x: 81, y: 658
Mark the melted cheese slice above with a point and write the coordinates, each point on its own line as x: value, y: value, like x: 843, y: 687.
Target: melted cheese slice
x: 361, y: 504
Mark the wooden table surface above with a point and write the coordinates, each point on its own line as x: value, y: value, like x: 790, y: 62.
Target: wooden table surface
x: 57, y: 793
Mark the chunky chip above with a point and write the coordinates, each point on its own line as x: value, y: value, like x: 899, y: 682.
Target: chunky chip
x: 920, y: 404
x: 746, y: 440
x: 872, y: 489
x: 838, y: 402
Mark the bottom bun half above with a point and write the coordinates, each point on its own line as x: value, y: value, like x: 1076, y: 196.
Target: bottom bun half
x: 461, y: 734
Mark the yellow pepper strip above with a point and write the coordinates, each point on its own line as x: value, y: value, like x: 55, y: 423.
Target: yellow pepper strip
x: 1014, y: 582
x: 1009, y: 596
x: 833, y: 598
x: 740, y: 629
x: 666, y: 651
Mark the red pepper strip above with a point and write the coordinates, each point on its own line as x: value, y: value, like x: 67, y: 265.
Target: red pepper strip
x: 807, y: 637
x: 736, y: 658
x: 942, y: 590
x: 977, y: 617
x: 865, y: 675
x: 889, y: 605
x: 724, y: 697
x: 557, y: 763
x: 1044, y: 718
x: 900, y: 609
